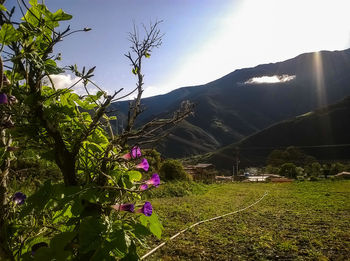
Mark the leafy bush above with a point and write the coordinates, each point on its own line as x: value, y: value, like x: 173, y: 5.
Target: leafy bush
x: 173, y: 170
x: 289, y: 170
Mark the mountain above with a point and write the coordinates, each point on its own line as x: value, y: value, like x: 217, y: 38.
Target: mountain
x: 237, y: 105
x: 323, y: 133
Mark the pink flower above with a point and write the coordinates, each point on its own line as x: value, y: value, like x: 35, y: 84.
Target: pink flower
x: 143, y: 187
x: 133, y: 154
x: 143, y: 165
x: 124, y: 207
x: 154, y: 180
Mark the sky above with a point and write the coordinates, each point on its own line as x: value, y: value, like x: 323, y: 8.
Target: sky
x: 203, y: 39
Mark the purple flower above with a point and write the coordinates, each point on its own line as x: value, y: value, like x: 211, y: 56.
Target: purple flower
x: 143, y: 165
x: 124, y: 207
x: 19, y: 198
x: 133, y: 154
x: 143, y: 187
x: 146, y: 209
x: 3, y: 98
x: 154, y: 180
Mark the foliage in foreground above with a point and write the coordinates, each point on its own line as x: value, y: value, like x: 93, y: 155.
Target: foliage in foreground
x: 94, y: 210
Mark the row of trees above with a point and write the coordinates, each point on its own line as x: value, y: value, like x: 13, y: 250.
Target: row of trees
x: 293, y: 162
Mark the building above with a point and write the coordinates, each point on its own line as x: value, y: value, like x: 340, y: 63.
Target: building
x: 201, y: 171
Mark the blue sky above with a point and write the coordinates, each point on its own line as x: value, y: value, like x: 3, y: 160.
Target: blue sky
x: 204, y: 39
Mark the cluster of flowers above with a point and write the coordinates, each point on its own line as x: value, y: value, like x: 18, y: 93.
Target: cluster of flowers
x: 146, y: 209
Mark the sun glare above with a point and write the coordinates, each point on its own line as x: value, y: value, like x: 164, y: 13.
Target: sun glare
x: 256, y: 32
x: 319, y: 77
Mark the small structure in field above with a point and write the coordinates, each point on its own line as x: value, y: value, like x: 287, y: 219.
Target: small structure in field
x: 223, y: 178
x: 262, y: 177
x: 280, y: 180
x: 201, y: 171
x: 257, y: 178
x: 343, y: 175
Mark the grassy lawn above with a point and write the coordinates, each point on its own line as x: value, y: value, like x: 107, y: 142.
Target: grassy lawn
x: 295, y: 221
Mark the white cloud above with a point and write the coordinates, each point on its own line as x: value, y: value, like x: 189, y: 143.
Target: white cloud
x: 62, y: 81
x: 271, y: 79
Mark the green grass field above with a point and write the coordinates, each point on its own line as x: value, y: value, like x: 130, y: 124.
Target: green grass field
x: 295, y: 221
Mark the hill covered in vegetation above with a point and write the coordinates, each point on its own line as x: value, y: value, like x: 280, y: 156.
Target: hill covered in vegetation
x: 323, y: 133
x: 247, y: 101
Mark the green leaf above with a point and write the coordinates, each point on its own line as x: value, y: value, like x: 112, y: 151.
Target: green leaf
x: 38, y: 200
x: 60, y: 15
x: 147, y: 55
x: 52, y: 68
x: 94, y: 147
x: 2, y: 8
x: 62, y: 214
x: 8, y: 34
x: 134, y: 175
x: 135, y: 70
x: 153, y: 224
x: 33, y: 2
x: 90, y: 233
x: 119, y: 239
x: 60, y: 241
x: 99, y: 137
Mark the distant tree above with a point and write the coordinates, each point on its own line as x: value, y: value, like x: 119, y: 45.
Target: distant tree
x: 173, y: 170
x: 314, y: 169
x: 269, y: 169
x: 289, y: 170
x: 290, y: 155
x: 336, y: 168
x: 300, y: 171
x: 277, y: 158
x: 326, y: 170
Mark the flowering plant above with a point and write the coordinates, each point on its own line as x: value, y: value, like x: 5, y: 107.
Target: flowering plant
x: 96, y: 211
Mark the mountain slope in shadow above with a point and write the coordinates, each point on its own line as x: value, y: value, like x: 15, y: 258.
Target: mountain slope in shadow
x: 324, y: 134
x: 234, y: 106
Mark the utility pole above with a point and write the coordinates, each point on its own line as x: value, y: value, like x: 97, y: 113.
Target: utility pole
x: 235, y: 165
x: 237, y: 160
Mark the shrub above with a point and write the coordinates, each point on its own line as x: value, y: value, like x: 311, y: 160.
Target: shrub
x: 289, y: 170
x: 173, y: 170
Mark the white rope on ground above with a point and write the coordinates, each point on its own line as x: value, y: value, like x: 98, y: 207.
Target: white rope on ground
x: 201, y: 222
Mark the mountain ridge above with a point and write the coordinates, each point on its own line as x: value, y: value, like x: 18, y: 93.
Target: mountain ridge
x: 229, y: 109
